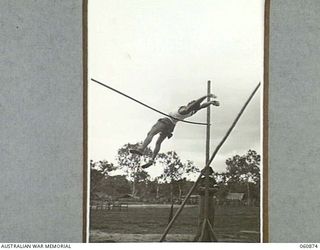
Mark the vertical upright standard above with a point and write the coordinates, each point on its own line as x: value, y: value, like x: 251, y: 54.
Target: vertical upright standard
x: 206, y: 191
x: 207, y: 171
x: 206, y: 225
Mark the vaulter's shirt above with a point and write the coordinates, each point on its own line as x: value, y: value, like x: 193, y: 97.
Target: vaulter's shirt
x: 179, y: 116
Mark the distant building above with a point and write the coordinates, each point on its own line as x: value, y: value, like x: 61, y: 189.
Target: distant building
x: 193, y: 199
x: 128, y: 198
x: 234, y: 199
x: 101, y: 196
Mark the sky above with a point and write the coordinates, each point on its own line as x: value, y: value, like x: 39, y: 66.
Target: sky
x: 163, y: 52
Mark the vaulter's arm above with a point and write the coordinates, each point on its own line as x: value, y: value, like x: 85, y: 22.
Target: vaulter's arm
x: 196, y: 104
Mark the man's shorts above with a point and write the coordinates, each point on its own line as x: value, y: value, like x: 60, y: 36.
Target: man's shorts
x: 169, y: 125
x: 165, y: 126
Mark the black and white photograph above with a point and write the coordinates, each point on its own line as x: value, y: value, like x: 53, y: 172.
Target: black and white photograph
x: 175, y: 120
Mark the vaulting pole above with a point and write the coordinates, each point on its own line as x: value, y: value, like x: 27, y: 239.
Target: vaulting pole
x: 180, y: 209
x: 233, y: 124
x: 209, y: 162
x: 143, y: 104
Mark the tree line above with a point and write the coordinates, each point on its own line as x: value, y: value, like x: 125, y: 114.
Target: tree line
x: 242, y: 175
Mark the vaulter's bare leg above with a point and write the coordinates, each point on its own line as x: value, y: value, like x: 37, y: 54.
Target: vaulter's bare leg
x: 156, y: 150
x: 158, y: 145
x: 147, y: 140
x: 154, y: 130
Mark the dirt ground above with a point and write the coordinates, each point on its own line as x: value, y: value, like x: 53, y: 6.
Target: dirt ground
x: 147, y: 223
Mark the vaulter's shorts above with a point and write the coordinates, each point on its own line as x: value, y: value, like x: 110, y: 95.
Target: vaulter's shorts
x: 168, y: 123
x: 165, y: 126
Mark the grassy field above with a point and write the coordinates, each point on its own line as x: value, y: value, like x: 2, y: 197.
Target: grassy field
x: 229, y: 222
